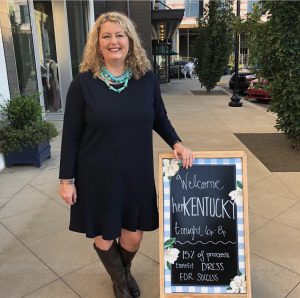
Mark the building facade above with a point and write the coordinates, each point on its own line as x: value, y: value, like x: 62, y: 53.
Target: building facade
x: 42, y: 41
x: 185, y: 37
x: 42, y: 47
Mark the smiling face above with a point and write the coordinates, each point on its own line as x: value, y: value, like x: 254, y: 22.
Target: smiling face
x: 113, y: 43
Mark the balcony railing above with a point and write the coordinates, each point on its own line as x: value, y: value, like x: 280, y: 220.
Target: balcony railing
x: 159, y: 5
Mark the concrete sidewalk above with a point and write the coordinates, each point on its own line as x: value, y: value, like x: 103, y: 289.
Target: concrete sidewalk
x: 40, y: 258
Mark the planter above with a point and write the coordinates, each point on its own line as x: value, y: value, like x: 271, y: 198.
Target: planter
x: 29, y: 155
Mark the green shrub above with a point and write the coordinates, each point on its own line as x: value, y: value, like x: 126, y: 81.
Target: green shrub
x: 275, y: 46
x: 214, y: 42
x: 23, y: 125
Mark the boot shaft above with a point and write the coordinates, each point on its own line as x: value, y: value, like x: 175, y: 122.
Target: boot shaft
x: 127, y: 256
x: 112, y: 261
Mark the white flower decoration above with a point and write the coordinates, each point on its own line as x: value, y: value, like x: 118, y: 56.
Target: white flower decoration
x: 237, y: 285
x: 171, y: 255
x: 237, y: 196
x: 170, y: 168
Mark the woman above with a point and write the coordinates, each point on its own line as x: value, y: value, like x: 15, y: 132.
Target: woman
x: 106, y: 158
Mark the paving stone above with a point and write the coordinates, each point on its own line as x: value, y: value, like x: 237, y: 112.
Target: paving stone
x: 291, y: 180
x: 56, y: 289
x: 271, y: 280
x: 256, y: 222
x: 26, y: 199
x: 291, y: 217
x: 266, y: 204
x: 295, y: 293
x: 147, y: 247
x: 279, y: 244
x: 21, y: 272
x: 93, y: 281
x: 39, y: 222
x: 64, y: 251
x: 274, y: 185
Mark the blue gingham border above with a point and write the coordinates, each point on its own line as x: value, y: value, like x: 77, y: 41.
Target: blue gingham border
x: 240, y: 228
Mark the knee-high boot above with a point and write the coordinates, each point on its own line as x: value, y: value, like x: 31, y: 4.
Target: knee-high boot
x: 113, y: 264
x: 127, y: 257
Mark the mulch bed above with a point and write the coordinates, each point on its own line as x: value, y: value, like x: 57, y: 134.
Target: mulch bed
x: 273, y: 150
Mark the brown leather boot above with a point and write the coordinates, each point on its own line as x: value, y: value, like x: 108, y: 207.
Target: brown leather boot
x: 113, y: 264
x: 127, y: 257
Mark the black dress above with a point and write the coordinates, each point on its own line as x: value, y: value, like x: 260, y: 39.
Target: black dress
x: 107, y: 147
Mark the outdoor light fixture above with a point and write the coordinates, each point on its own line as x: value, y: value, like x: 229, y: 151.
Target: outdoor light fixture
x: 161, y: 31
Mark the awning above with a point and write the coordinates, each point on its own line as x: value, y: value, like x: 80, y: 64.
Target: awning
x: 169, y: 19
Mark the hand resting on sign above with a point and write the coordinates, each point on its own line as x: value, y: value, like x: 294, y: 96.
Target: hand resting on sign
x: 184, y: 153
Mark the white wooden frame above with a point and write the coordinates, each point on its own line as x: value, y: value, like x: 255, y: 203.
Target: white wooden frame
x: 206, y: 155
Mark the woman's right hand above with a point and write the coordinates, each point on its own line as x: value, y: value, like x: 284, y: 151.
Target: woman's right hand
x: 68, y: 193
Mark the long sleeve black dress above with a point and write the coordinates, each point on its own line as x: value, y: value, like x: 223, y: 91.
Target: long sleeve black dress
x: 107, y: 147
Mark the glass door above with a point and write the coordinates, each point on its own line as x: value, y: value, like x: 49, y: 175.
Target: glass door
x: 161, y: 61
x: 48, y: 57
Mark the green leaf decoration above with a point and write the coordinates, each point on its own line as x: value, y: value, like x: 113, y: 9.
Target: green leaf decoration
x: 169, y: 243
x: 239, y: 273
x: 180, y: 163
x: 168, y: 246
x: 169, y: 265
x: 229, y: 288
x: 239, y: 184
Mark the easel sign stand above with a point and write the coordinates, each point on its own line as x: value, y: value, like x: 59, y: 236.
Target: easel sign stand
x: 204, y: 227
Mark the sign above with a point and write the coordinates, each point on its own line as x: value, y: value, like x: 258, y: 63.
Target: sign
x: 204, y: 237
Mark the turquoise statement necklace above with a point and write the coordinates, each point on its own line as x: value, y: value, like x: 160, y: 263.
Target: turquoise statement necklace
x: 122, y: 79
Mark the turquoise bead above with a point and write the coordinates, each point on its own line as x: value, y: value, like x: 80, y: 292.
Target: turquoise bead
x: 123, y: 79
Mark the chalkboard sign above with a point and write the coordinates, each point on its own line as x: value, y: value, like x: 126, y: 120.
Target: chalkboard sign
x: 204, y: 238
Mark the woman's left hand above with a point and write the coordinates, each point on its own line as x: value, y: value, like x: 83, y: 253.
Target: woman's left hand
x: 184, y: 153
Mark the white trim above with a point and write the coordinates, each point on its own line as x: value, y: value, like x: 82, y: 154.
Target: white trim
x: 2, y: 163
x: 36, y: 52
x: 91, y: 14
x: 62, y: 43
x: 4, y: 87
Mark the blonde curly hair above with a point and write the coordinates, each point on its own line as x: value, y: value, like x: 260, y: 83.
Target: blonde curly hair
x: 136, y: 59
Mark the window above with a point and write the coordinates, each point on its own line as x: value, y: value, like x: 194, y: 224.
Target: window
x: 78, y: 30
x: 191, y: 8
x: 23, y: 45
x: 251, y: 4
x: 24, y: 14
x: 47, y: 52
x: 159, y: 4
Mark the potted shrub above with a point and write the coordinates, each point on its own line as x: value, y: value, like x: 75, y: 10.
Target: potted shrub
x: 24, y: 135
